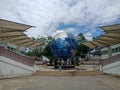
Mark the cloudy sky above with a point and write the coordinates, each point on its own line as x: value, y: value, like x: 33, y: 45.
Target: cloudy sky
x: 73, y: 16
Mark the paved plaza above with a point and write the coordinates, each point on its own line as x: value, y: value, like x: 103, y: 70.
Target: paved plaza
x: 100, y: 82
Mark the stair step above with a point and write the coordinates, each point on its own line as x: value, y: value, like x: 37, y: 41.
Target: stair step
x: 67, y: 73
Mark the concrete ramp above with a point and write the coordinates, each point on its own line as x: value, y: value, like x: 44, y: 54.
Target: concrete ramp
x: 13, y: 64
x: 113, y: 68
x: 111, y: 65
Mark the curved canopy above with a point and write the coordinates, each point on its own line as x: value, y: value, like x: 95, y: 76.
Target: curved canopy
x: 13, y: 32
x: 112, y: 36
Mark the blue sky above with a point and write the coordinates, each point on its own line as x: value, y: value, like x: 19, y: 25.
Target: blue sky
x: 86, y: 28
x: 73, y: 16
x: 81, y: 29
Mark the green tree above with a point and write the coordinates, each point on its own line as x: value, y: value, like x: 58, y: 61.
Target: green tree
x: 43, y: 50
x: 39, y: 50
x: 82, y: 49
x: 47, y: 50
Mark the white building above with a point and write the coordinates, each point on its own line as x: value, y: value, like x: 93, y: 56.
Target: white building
x: 109, y: 51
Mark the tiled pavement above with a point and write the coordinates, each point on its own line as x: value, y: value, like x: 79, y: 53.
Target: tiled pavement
x: 100, y: 82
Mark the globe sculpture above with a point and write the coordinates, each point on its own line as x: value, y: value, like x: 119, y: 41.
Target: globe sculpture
x: 64, y: 46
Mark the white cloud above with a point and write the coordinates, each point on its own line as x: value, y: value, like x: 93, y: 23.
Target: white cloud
x: 47, y: 14
x: 88, y: 36
x: 56, y: 32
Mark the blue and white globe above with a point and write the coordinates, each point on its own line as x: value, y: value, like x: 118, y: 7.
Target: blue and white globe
x: 64, y: 45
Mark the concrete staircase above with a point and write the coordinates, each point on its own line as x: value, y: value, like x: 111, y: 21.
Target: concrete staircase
x: 88, y: 68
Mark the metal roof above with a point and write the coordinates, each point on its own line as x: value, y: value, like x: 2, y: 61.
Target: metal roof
x: 17, y: 38
x: 112, y: 36
x: 10, y: 25
x: 35, y: 45
x: 29, y: 43
x: 89, y: 44
x: 13, y: 32
x: 111, y: 28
